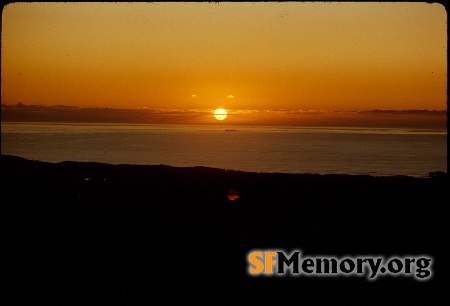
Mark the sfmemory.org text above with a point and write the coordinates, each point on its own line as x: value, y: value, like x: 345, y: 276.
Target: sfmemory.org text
x: 278, y: 263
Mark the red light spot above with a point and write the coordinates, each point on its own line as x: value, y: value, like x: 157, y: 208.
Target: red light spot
x: 233, y: 195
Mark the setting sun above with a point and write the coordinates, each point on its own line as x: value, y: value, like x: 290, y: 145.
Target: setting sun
x: 158, y: 131
x: 220, y: 114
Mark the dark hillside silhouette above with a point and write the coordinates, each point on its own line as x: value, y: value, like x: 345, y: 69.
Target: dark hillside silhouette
x: 76, y: 232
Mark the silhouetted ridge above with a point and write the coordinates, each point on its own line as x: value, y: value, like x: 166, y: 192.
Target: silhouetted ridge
x: 83, y: 232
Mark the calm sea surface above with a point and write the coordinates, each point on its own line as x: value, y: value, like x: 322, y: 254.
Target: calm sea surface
x: 374, y: 151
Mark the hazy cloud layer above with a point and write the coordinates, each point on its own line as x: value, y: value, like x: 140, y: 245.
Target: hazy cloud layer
x: 383, y: 118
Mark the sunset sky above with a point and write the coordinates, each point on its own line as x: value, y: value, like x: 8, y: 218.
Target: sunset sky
x: 340, y: 56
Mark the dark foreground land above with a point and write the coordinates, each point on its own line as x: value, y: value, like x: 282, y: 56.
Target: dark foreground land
x: 81, y: 233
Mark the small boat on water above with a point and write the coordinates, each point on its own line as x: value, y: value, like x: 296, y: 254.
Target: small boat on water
x: 230, y: 130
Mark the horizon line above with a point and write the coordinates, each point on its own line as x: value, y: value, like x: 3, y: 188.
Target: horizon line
x: 171, y: 110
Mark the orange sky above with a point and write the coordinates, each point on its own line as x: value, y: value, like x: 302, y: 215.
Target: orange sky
x: 263, y: 55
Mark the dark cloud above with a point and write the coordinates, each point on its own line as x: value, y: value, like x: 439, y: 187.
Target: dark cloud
x: 378, y: 118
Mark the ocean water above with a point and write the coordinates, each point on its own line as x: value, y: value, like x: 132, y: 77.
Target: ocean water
x: 287, y: 149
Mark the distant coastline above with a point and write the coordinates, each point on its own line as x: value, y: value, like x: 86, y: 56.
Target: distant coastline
x: 371, y: 118
x: 10, y: 159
